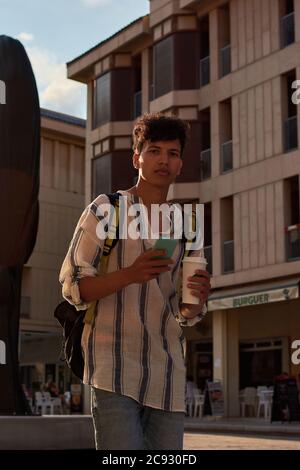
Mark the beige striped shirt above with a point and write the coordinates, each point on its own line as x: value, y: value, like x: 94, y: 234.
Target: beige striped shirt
x: 135, y: 343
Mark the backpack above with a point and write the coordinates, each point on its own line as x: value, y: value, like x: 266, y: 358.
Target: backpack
x: 71, y: 320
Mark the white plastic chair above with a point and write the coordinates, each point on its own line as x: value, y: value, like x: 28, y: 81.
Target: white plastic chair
x: 40, y: 403
x: 198, y: 404
x: 265, y: 398
x: 248, y: 399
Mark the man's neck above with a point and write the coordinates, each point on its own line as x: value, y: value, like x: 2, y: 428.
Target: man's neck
x: 149, y: 194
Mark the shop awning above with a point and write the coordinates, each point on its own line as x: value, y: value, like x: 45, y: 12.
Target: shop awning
x: 248, y: 296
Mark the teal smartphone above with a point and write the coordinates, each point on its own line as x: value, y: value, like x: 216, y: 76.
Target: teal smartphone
x: 168, y: 244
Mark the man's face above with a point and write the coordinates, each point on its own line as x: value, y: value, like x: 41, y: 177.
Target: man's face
x: 159, y: 162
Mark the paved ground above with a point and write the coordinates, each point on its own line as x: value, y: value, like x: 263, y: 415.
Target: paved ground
x: 197, y: 441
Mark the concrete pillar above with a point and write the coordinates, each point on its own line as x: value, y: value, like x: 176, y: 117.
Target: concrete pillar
x: 233, y: 363
x: 226, y: 357
x: 216, y: 237
x: 220, y: 351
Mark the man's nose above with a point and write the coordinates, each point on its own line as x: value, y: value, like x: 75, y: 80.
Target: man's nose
x: 163, y: 157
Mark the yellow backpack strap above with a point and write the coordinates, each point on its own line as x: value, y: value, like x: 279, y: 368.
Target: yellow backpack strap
x: 110, y: 242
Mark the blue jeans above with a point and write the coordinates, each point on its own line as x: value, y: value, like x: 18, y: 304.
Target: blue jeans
x: 121, y: 423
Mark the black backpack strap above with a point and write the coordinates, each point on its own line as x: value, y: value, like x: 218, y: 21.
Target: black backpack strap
x: 113, y: 230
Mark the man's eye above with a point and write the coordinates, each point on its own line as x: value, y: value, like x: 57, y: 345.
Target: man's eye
x: 174, y: 154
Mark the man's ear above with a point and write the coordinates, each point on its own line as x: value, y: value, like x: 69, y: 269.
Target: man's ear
x: 135, y: 161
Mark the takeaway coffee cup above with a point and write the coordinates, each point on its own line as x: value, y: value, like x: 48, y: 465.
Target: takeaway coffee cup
x: 189, y: 267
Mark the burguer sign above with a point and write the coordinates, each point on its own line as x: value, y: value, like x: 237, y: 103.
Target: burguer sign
x: 250, y: 300
x: 276, y: 294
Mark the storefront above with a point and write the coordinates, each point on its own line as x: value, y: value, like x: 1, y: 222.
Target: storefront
x: 249, y: 339
x: 40, y: 364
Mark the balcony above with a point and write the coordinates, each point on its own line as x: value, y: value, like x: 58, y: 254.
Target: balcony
x: 208, y: 256
x: 226, y: 156
x: 290, y: 134
x: 204, y: 71
x: 287, y: 30
x: 292, y: 242
x: 137, y: 104
x: 225, y: 60
x: 228, y: 257
x: 205, y: 163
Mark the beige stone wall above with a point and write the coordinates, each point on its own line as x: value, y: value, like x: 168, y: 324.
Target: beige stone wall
x: 61, y: 200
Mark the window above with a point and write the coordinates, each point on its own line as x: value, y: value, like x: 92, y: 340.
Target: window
x: 224, y: 40
x: 163, y: 66
x: 25, y: 307
x: 102, y: 100
x: 226, y: 136
x: 290, y: 127
x: 259, y: 363
x: 101, y: 175
x: 205, y: 156
x: 204, y: 69
x: 227, y: 235
x: 292, y: 217
x: 137, y: 97
x: 287, y: 22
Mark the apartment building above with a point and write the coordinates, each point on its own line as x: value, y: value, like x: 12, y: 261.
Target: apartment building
x: 227, y: 67
x: 61, y: 200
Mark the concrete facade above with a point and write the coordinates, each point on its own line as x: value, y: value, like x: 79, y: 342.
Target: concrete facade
x: 61, y: 201
x: 251, y: 206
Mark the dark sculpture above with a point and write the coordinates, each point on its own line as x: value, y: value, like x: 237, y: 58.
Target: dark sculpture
x: 19, y: 187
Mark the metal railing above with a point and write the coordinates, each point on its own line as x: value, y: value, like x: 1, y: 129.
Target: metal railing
x: 287, y: 29
x: 226, y: 156
x: 225, y: 60
x: 292, y: 242
x: 208, y: 256
x: 290, y: 133
x: 137, y: 104
x: 205, y: 162
x: 204, y: 71
x: 228, y: 257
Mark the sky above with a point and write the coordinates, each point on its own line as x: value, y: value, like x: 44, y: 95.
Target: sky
x: 55, y: 32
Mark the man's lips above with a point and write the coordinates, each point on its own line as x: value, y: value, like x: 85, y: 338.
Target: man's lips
x: 163, y: 172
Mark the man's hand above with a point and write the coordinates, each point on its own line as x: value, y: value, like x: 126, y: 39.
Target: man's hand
x: 146, y: 268
x: 200, y: 285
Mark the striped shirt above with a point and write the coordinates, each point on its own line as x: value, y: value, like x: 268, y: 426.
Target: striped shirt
x: 134, y: 345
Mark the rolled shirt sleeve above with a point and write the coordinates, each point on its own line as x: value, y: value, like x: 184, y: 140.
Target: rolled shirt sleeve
x: 84, y: 254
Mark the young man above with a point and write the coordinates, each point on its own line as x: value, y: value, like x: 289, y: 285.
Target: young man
x: 133, y: 348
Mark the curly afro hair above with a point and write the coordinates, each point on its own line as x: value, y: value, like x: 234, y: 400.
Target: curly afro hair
x: 157, y: 126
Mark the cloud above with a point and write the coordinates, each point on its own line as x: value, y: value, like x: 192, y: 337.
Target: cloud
x: 56, y: 92
x: 25, y: 36
x: 95, y: 3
